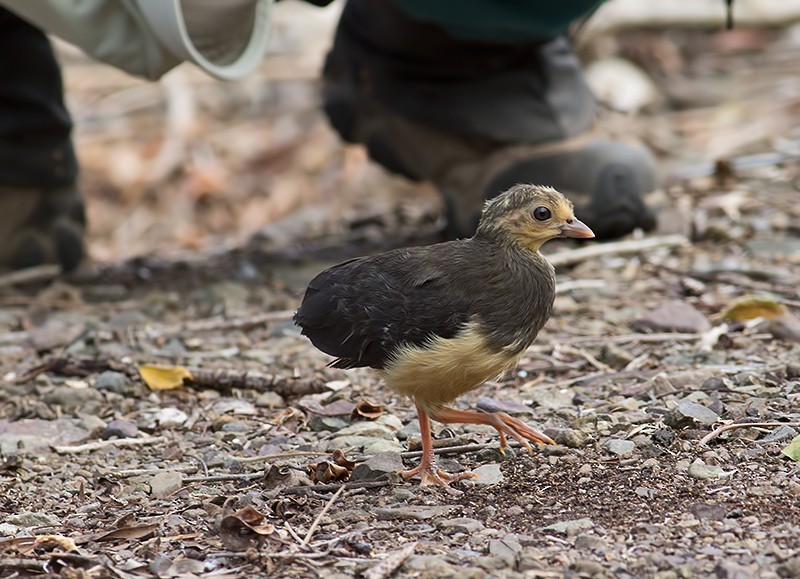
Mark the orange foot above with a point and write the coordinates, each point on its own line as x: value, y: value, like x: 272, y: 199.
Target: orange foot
x: 429, y: 474
x: 504, y: 424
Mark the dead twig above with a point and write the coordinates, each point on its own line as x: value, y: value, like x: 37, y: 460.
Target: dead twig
x: 598, y: 365
x: 225, y: 477
x: 302, y: 489
x: 615, y: 248
x: 715, y: 433
x: 321, y: 514
x: 391, y: 563
x: 225, y: 324
x: 643, y: 338
x: 26, y: 565
x: 580, y: 284
x: 214, y: 378
x: 30, y: 275
x: 278, y: 456
x: 101, y: 444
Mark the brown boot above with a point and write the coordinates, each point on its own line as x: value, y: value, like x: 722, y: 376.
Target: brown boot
x: 41, y: 227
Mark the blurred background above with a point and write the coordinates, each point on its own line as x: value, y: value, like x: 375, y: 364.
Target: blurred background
x: 191, y: 164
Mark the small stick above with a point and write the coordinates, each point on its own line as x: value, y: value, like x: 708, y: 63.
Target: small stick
x: 225, y: 477
x: 30, y: 275
x: 101, y: 444
x: 598, y: 365
x: 321, y: 514
x: 715, y: 433
x: 280, y: 455
x: 391, y: 563
x: 615, y: 248
x: 301, y: 489
x: 220, y: 324
x: 293, y: 533
x: 580, y: 284
x: 457, y: 449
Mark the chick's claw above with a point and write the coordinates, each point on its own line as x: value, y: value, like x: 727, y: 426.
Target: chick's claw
x: 520, y: 431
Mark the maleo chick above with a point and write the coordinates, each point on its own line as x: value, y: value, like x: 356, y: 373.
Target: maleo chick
x: 438, y: 321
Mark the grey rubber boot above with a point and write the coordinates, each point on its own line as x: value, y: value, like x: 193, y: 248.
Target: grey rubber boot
x: 476, y: 118
x: 41, y: 227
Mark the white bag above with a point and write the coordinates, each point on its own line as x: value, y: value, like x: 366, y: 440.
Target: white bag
x: 147, y: 38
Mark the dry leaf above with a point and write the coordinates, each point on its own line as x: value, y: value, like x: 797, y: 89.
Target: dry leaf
x: 752, y: 307
x: 163, y: 377
x: 327, y: 471
x: 366, y: 410
x: 26, y: 545
x: 339, y: 468
x: 792, y: 450
x: 244, y: 529
x: 129, y: 533
x: 340, y: 459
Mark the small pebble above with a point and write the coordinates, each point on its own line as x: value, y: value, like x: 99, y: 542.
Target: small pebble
x: 120, y: 428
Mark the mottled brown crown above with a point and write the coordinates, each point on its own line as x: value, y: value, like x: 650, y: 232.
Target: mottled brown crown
x: 521, y: 198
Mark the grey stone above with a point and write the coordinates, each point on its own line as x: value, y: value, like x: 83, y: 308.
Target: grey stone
x: 270, y: 400
x: 71, y: 399
x: 779, y: 434
x: 412, y: 512
x: 351, y: 515
x: 378, y: 466
x: 488, y: 474
x: 461, y: 525
x: 403, y: 493
x: 37, y: 435
x: 508, y: 406
x: 673, y: 317
x: 690, y: 414
x: 732, y: 570
x: 409, y: 430
x: 615, y: 356
x: 619, y: 446
x: 495, y: 563
x: 702, y: 471
x: 553, y: 398
x: 116, y: 382
x: 429, y: 566
x: 569, y: 527
x: 708, y: 511
x: 504, y: 547
x: 379, y: 446
x: 493, y: 453
x: 567, y: 437
x: 165, y: 483
x: 120, y: 428
x: 790, y: 567
x: 236, y: 426
x: 588, y: 568
x: 29, y: 519
x: 319, y: 422
x: 162, y: 417
x: 368, y: 429
x: 585, y: 542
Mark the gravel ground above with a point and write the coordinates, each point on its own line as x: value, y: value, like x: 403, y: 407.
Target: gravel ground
x: 669, y: 373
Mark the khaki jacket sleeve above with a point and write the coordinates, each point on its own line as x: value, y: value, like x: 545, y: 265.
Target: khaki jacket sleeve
x: 112, y: 31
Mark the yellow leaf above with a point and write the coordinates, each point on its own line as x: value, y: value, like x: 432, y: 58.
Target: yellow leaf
x: 163, y: 377
x: 751, y: 307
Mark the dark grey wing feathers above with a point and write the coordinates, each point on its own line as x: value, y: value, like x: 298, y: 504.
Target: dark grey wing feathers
x: 362, y: 310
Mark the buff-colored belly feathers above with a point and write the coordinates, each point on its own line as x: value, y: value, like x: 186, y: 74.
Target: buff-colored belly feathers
x: 445, y: 368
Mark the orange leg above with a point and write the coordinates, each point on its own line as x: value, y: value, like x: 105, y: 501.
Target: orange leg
x: 500, y: 421
x: 427, y: 467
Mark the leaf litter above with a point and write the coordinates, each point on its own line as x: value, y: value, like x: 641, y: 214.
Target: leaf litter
x: 677, y: 451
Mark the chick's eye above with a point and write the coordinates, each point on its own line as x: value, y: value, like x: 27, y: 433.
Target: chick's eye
x: 542, y: 214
